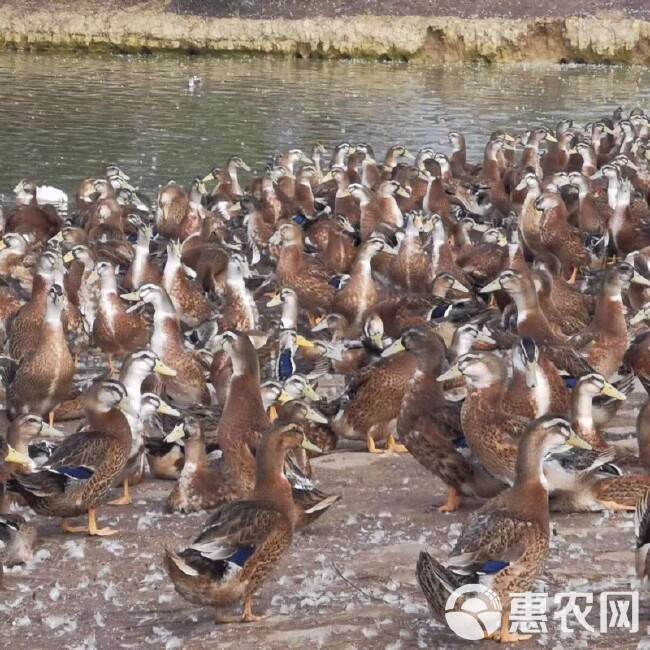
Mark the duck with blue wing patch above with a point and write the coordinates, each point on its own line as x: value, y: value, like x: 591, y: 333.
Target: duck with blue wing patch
x: 503, y: 544
x: 243, y: 541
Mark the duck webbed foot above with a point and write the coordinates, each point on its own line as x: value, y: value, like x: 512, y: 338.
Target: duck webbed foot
x: 66, y: 528
x: 372, y: 448
x: 453, y: 501
x: 391, y: 445
x: 504, y: 635
x: 248, y: 616
x: 125, y: 499
x: 92, y: 526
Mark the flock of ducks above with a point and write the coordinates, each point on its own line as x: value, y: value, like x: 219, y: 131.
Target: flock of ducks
x: 487, y: 319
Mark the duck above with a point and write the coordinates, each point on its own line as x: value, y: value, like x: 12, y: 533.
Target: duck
x: 24, y: 328
x: 239, y: 309
x: 135, y: 370
x: 242, y: 541
x: 308, y: 278
x: 360, y: 293
x: 17, y: 539
x: 642, y: 534
x: 191, y: 305
x: 228, y: 179
x: 374, y: 398
x: 22, y: 432
x: 43, y: 378
x: 80, y: 473
x: 188, y: 386
x: 117, y: 331
x: 171, y: 213
x: 430, y: 426
x: 142, y: 270
x: 505, y: 543
x: 605, y: 342
x: 37, y: 223
x: 536, y: 387
x: 200, y: 486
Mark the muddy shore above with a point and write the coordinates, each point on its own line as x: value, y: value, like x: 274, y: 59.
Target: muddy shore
x: 602, y: 31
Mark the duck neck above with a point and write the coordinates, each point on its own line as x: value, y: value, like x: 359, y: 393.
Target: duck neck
x: 195, y: 452
x: 582, y: 419
x: 271, y: 485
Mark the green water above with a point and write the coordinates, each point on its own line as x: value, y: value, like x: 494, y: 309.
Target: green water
x: 62, y: 117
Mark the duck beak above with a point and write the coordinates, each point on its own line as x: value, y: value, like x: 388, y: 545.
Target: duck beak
x: 531, y: 374
x: 235, y: 207
x: 611, y: 391
x: 165, y: 409
x: 18, y: 189
x: 315, y: 416
x: 508, y: 138
x: 639, y: 317
x: 17, y: 457
x: 244, y: 166
x: 310, y: 394
x: 377, y: 341
x: 521, y: 185
x: 402, y: 191
x: 574, y: 440
x: 47, y: 430
x: 176, y: 434
x: 483, y: 337
x: 284, y: 397
x: 302, y: 342
x: 275, y: 301
x: 134, y: 296
x: 453, y: 373
x: 502, y: 240
x: 93, y: 277
x: 57, y: 237
x: 163, y: 369
x: 551, y: 138
x: 495, y: 285
x: 310, y: 446
x: 275, y: 239
x: 273, y: 413
x: 394, y: 348
x: 320, y: 326
x: 345, y: 192
x: 637, y: 278
x: 631, y: 165
x: 609, y: 131
x: 68, y: 257
x: 327, y: 178
x: 597, y: 175
x: 459, y: 286
x: 208, y: 177
x: 408, y: 155
x: 2, y: 244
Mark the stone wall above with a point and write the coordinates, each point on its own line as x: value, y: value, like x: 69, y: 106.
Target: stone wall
x: 149, y: 27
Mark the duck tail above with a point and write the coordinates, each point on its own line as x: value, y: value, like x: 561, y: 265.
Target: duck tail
x: 642, y: 532
x: 437, y: 583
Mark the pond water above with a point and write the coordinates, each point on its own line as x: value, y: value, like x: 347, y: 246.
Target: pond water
x: 62, y: 117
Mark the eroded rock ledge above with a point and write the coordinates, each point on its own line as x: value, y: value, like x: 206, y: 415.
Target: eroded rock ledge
x: 148, y: 28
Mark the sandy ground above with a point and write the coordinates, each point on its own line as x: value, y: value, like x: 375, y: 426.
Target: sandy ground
x: 348, y: 582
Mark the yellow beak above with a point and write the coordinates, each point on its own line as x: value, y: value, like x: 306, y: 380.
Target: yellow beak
x: 408, y: 155
x: 309, y: 393
x: 273, y: 413
x: 284, y: 397
x: 495, y: 285
x: 275, y: 301
x: 394, y: 348
x: 165, y: 409
x: 68, y: 257
x: 176, y: 434
x: 453, y: 373
x: 14, y: 456
x: 402, y: 191
x: 134, y: 296
x: 235, y: 207
x: 377, y: 341
x: 327, y: 178
x: 611, y: 391
x: 575, y: 440
x: 551, y: 138
x: 163, y: 369
x: 316, y: 416
x: 302, y: 342
x: 310, y: 446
